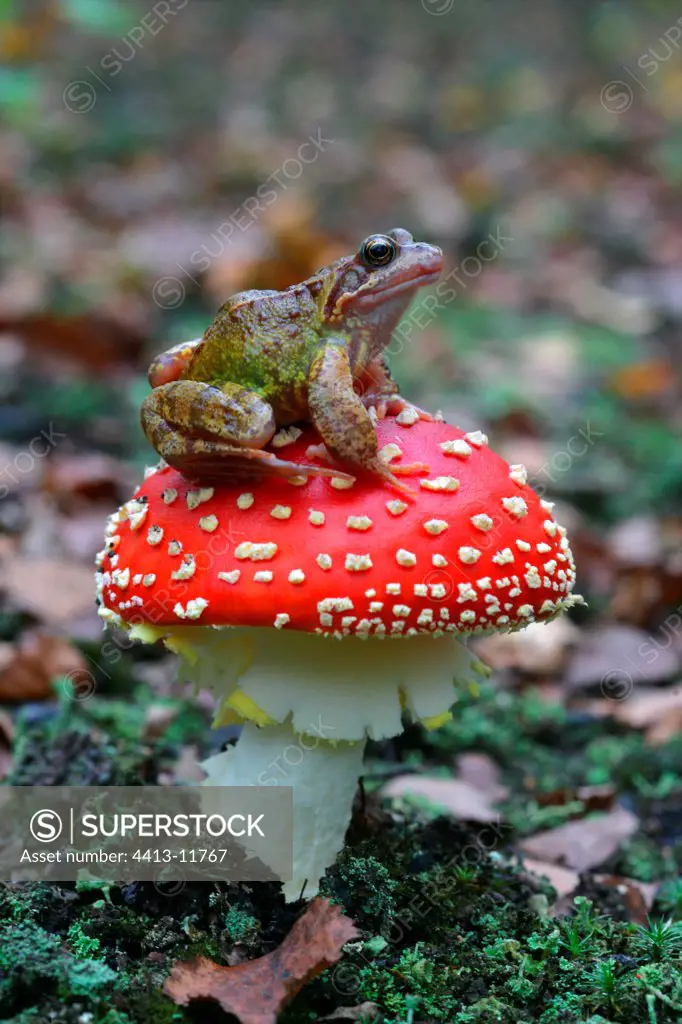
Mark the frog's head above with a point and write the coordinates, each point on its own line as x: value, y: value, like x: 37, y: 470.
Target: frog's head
x: 373, y: 287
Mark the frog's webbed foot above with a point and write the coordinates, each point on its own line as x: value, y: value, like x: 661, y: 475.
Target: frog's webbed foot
x: 216, y: 432
x: 393, y: 470
x: 320, y: 451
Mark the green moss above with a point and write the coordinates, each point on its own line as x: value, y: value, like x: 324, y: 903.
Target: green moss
x: 644, y: 857
x: 368, y: 884
x: 28, y: 955
x: 86, y: 978
x: 449, y: 930
x: 81, y: 944
x: 669, y: 898
x: 241, y: 927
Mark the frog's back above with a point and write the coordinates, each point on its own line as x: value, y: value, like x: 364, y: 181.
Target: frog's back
x: 262, y: 339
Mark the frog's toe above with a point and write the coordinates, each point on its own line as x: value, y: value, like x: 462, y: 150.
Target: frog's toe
x: 272, y: 464
x: 319, y: 451
x: 410, y: 468
x: 397, y: 404
x: 375, y: 404
x: 422, y: 413
x: 391, y: 478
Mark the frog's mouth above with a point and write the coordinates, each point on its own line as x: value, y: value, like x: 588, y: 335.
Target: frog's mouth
x: 376, y: 295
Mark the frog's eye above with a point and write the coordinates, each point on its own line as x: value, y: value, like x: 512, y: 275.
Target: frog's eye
x: 378, y: 250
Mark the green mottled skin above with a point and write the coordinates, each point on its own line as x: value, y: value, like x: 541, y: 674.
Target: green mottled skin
x: 264, y: 341
x: 313, y: 352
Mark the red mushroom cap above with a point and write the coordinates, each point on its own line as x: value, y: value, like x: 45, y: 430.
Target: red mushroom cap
x: 476, y: 549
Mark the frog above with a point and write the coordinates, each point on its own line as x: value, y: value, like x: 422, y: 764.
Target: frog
x: 314, y: 352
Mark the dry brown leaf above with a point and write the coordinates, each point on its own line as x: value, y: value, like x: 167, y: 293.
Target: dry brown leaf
x: 594, y: 798
x: 460, y: 799
x: 636, y: 542
x: 640, y: 381
x: 481, y: 772
x: 659, y: 712
x: 256, y: 991
x: 364, y: 1011
x: 71, y: 338
x: 643, y: 594
x: 583, y: 844
x: 54, y: 591
x: 638, y: 896
x: 6, y: 743
x: 647, y: 708
x: 563, y: 880
x: 666, y: 729
x: 616, y: 658
x: 28, y: 668
x: 92, y: 476
x: 80, y: 535
x: 539, y: 649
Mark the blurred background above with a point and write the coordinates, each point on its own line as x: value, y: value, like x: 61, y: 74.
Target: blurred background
x: 154, y: 159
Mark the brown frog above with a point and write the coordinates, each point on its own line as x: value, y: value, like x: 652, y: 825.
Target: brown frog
x: 312, y: 352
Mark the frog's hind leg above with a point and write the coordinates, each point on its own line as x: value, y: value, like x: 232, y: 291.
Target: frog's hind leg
x: 215, y: 432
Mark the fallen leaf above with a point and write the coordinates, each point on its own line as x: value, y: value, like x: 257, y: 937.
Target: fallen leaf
x: 583, y: 844
x: 615, y: 658
x: 92, y: 476
x: 481, y: 772
x: 563, y: 880
x: 28, y: 668
x: 593, y: 798
x: 666, y: 729
x: 641, y: 381
x: 71, y: 338
x: 636, y: 541
x: 6, y: 743
x: 52, y: 590
x: 539, y: 649
x: 256, y: 991
x: 647, y: 708
x: 642, y: 594
x: 364, y: 1011
x: 80, y: 535
x: 31, y: 475
x: 638, y: 897
x: 460, y: 799
x: 659, y: 712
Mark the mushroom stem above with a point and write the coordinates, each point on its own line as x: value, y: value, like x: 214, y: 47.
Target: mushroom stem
x: 308, y: 704
x: 324, y: 778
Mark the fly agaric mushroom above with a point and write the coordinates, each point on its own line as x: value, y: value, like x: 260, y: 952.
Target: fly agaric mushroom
x: 285, y: 596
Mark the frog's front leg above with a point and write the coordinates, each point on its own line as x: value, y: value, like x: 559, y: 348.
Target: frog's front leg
x: 380, y: 392
x: 215, y: 431
x: 169, y: 365
x: 342, y: 419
